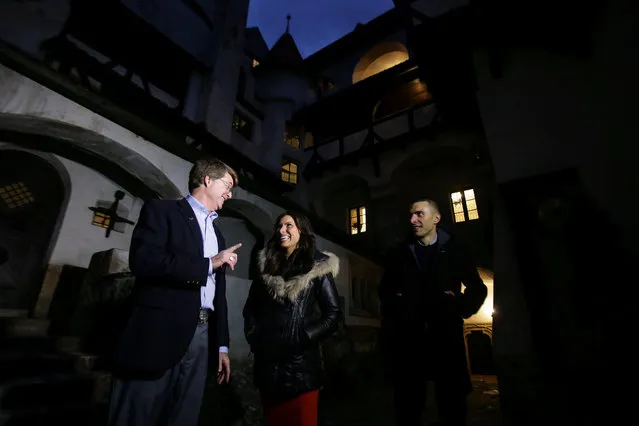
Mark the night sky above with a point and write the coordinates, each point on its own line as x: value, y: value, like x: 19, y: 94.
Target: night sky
x: 314, y: 23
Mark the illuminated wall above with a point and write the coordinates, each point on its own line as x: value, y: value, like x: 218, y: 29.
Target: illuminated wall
x: 384, y: 56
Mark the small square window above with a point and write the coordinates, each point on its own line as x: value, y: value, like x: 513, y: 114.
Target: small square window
x: 289, y: 172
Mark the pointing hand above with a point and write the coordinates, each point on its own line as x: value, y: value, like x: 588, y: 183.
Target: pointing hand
x: 226, y: 257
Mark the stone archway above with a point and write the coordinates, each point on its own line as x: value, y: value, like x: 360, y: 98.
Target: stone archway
x: 122, y: 165
x: 480, y: 351
x: 33, y: 197
x: 257, y: 217
x: 243, y: 222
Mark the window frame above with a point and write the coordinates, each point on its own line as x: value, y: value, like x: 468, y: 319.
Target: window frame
x: 467, y: 213
x: 288, y: 162
x: 361, y: 220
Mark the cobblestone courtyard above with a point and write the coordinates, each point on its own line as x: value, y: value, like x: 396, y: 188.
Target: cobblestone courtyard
x: 373, y: 408
x: 366, y: 403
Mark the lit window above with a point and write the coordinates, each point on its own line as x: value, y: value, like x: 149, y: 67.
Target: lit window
x: 458, y: 206
x: 310, y: 141
x: 471, y: 204
x: 358, y: 220
x: 293, y: 140
x: 242, y: 125
x: 289, y: 172
x: 464, y: 205
x: 255, y: 62
x: 292, y: 135
x: 16, y: 195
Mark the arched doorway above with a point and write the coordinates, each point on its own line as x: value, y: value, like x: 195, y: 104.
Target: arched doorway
x: 242, y: 221
x: 480, y: 353
x: 32, y: 197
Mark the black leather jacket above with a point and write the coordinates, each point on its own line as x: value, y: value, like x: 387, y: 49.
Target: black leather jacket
x: 284, y: 329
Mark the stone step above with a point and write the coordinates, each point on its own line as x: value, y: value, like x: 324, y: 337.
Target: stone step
x: 67, y: 414
x: 14, y: 313
x: 48, y: 391
x: 26, y: 364
x: 18, y: 327
x: 39, y: 344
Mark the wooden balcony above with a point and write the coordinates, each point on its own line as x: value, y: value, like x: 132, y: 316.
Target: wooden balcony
x: 352, y: 108
x: 394, y: 132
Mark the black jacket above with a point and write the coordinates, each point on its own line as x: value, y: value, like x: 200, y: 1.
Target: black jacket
x: 408, y: 294
x: 418, y: 317
x: 284, y: 330
x: 168, y: 262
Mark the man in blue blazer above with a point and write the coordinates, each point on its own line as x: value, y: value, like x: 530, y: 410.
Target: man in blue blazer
x: 178, y: 305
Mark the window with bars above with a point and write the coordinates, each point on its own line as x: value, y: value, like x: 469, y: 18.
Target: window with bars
x: 243, y: 125
x: 464, y: 205
x: 16, y: 195
x: 289, y: 171
x: 358, y: 220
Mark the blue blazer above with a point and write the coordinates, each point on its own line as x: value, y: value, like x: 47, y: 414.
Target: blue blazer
x: 167, y: 259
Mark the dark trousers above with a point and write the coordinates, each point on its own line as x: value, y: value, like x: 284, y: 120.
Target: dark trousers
x: 410, y: 401
x: 417, y: 354
x: 410, y: 385
x: 171, y: 400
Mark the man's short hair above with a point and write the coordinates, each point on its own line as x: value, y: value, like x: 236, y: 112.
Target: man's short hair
x: 211, y: 167
x: 434, y: 208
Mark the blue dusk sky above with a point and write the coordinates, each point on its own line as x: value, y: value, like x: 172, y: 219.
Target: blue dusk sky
x: 314, y: 23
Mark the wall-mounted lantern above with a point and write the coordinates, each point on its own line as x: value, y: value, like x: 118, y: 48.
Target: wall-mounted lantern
x: 107, y: 217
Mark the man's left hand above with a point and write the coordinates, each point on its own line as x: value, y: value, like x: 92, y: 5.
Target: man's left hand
x: 223, y: 368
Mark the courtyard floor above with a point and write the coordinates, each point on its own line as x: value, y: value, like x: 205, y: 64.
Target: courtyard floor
x: 373, y: 407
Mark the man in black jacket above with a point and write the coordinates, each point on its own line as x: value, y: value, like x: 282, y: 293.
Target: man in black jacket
x: 423, y: 308
x: 179, y: 258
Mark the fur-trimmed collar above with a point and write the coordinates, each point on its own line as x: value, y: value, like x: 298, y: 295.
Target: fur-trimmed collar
x: 291, y: 288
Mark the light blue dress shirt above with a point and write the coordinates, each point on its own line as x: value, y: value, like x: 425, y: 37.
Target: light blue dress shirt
x: 205, y: 220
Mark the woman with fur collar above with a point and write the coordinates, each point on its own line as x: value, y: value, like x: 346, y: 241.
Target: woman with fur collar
x: 283, y: 326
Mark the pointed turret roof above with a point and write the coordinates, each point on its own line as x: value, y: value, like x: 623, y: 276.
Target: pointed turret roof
x: 254, y: 43
x: 284, y: 55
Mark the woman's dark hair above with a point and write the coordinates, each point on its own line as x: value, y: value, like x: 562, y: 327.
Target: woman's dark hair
x: 301, y: 260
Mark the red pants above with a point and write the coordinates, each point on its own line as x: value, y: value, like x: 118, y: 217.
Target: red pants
x: 300, y: 411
